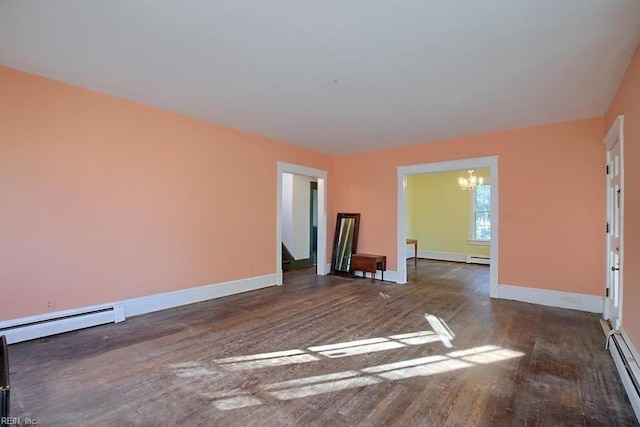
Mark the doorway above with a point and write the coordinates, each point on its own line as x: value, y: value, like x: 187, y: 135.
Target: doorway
x: 450, y: 223
x: 404, y: 172
x: 320, y: 176
x: 614, y: 242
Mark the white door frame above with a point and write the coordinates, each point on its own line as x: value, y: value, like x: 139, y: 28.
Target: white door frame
x: 615, y: 134
x: 321, y: 176
x: 490, y: 162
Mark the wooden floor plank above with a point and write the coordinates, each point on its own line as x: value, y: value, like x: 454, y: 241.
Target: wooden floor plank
x: 331, y: 351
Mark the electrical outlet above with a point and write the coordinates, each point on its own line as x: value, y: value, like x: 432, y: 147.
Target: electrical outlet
x: 51, y: 305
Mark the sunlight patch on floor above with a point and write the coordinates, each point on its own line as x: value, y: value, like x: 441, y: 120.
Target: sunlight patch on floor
x: 486, y: 354
x: 328, y: 387
x: 259, y: 394
x: 232, y: 399
x: 441, y: 329
x: 343, y: 349
x: 319, y: 384
x: 263, y: 360
x: 417, y: 338
x: 420, y: 367
x: 334, y: 351
x: 314, y: 379
x: 236, y: 402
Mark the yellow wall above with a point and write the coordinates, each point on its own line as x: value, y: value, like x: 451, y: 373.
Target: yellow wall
x: 438, y: 213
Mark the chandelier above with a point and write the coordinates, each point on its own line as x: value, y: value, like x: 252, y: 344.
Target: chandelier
x: 471, y: 182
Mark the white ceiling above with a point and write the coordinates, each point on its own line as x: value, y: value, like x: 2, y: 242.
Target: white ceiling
x: 336, y: 76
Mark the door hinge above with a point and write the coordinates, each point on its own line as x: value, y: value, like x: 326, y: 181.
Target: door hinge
x: 607, y: 227
x: 607, y: 292
x: 607, y: 169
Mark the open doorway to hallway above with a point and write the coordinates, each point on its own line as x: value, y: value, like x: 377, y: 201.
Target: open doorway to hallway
x: 320, y: 178
x: 299, y: 221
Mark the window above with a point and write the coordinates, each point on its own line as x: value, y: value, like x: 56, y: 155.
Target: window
x: 480, y: 218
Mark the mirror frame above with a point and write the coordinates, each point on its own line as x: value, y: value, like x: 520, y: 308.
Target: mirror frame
x: 336, y: 238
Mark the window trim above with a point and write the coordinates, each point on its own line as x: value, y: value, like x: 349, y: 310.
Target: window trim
x: 472, y: 218
x: 479, y: 242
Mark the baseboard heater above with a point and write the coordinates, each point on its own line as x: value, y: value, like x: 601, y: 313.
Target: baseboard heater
x: 478, y: 259
x: 627, y: 365
x: 28, y: 328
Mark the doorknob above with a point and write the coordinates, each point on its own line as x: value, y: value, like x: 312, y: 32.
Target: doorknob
x: 614, y: 268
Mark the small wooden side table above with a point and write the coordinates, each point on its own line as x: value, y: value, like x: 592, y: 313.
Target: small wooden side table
x: 414, y: 242
x: 368, y: 263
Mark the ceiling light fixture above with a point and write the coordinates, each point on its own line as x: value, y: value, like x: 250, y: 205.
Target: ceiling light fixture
x: 471, y: 182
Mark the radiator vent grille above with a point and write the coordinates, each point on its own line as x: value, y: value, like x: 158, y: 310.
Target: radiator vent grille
x: 478, y: 259
x: 56, y: 323
x: 55, y: 319
x: 626, y: 364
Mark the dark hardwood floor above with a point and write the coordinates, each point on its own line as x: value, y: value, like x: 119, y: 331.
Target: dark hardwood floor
x: 329, y: 351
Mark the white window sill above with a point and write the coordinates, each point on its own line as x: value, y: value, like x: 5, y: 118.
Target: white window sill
x: 479, y: 242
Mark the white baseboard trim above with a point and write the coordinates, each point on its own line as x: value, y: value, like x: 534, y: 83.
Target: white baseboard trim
x: 494, y: 290
x: 327, y: 269
x: 151, y: 303
x: 32, y: 327
x: 440, y: 256
x: 574, y: 301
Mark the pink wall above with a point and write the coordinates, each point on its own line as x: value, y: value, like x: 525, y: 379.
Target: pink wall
x: 627, y: 102
x: 551, y: 200
x: 105, y: 199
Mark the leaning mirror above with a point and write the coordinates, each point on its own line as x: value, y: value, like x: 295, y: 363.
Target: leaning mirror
x: 345, y: 242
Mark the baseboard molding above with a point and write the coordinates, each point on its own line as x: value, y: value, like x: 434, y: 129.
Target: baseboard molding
x: 449, y: 256
x: 574, y: 301
x: 32, y: 327
x: 327, y: 269
x: 151, y: 303
x: 440, y: 256
x: 494, y: 290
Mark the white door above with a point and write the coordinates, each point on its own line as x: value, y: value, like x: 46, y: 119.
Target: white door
x: 614, y: 247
